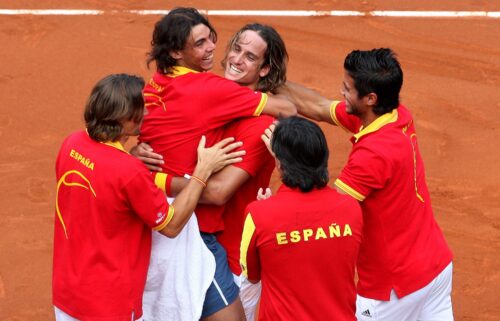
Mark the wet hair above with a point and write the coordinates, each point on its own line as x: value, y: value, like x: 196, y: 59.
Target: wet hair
x: 376, y: 71
x: 114, y: 99
x: 171, y: 34
x: 276, y: 56
x: 300, y: 146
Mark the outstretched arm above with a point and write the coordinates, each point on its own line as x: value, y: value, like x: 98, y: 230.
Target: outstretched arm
x: 279, y: 106
x: 308, y: 101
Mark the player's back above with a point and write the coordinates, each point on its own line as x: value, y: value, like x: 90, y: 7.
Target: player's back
x: 308, y: 245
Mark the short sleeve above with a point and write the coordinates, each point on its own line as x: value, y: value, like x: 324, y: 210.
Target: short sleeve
x: 227, y: 100
x: 147, y: 201
x: 366, y: 170
x: 342, y: 119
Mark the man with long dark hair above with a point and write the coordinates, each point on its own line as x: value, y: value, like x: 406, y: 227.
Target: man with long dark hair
x: 303, y: 242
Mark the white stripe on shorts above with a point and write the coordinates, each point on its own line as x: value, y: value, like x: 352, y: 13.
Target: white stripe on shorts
x: 220, y: 292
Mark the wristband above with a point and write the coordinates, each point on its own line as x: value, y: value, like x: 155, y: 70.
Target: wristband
x: 199, y: 180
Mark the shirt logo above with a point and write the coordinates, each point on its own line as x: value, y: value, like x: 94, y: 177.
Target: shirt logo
x: 160, y: 217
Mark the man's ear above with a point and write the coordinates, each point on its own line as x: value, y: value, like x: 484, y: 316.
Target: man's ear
x: 371, y: 99
x: 264, y: 71
x: 176, y: 54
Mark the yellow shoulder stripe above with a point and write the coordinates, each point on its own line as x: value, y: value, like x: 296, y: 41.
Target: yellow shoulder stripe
x: 262, y: 104
x: 349, y: 190
x: 333, y: 115
x: 248, y: 231
x: 170, y: 215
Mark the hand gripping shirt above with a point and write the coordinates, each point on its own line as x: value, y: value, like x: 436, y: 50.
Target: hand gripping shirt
x: 106, y: 205
x: 403, y: 247
x: 182, y: 107
x: 259, y: 164
x: 303, y: 247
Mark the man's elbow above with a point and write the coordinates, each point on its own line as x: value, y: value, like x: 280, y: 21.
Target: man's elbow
x: 170, y: 232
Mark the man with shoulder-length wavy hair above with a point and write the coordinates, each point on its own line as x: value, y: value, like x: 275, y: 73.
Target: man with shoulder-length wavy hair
x: 303, y: 242
x: 255, y: 57
x: 107, y: 204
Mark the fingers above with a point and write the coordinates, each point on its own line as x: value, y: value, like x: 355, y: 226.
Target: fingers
x: 202, y: 142
x: 261, y: 195
x: 224, y: 142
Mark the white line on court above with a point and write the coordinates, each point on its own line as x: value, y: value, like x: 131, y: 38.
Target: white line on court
x: 279, y: 13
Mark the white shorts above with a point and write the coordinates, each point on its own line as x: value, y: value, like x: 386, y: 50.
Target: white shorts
x: 430, y: 303
x: 249, y: 295
x: 63, y: 316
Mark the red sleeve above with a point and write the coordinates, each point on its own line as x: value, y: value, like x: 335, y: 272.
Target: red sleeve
x: 366, y: 170
x: 147, y: 201
x: 227, y: 100
x: 340, y: 117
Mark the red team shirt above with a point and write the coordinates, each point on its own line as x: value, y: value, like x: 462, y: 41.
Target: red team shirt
x: 106, y: 206
x: 303, y: 246
x: 403, y: 248
x: 182, y: 107
x: 259, y: 164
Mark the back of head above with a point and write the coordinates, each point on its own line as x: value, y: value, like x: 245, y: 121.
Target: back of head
x: 114, y: 99
x: 376, y: 71
x: 300, y: 147
x: 171, y: 34
x: 276, y: 56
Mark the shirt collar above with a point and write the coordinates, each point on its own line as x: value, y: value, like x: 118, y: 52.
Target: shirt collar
x: 377, y: 124
x: 176, y: 71
x: 116, y: 144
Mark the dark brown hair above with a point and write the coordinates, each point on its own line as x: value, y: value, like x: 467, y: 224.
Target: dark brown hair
x: 114, y: 99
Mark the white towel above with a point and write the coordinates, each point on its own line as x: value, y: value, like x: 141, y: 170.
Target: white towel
x: 180, y: 271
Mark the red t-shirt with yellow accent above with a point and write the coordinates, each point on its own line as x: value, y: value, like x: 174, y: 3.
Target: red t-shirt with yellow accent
x: 106, y: 205
x: 303, y: 246
x: 182, y: 107
x: 403, y: 248
x: 259, y: 164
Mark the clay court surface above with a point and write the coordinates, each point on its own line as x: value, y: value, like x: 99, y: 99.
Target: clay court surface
x: 452, y: 85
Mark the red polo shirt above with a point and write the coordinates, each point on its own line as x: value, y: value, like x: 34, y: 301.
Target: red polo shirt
x: 303, y: 246
x: 259, y: 164
x: 182, y: 107
x: 403, y: 248
x: 106, y: 205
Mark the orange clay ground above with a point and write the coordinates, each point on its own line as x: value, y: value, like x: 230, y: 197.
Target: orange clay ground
x: 452, y: 86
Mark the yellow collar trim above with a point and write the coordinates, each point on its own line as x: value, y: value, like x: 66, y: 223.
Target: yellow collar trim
x: 116, y: 145
x: 377, y: 124
x: 176, y: 71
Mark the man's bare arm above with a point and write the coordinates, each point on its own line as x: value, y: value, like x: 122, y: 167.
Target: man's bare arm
x: 308, y: 101
x: 220, y: 187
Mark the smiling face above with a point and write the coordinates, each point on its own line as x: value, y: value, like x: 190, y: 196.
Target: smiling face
x: 245, y: 59
x: 198, y: 53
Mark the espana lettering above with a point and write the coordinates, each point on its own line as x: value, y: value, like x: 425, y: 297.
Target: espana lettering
x: 82, y: 159
x: 153, y: 84
x: 308, y: 234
